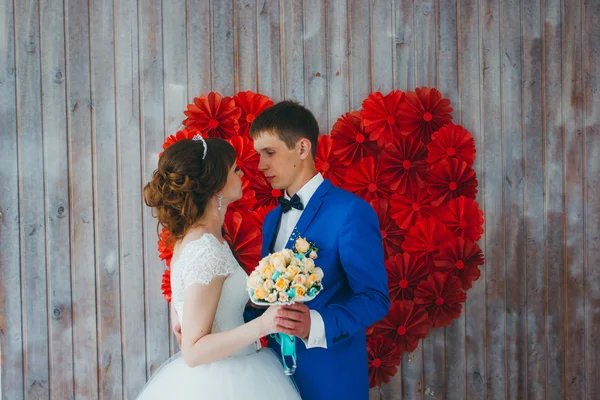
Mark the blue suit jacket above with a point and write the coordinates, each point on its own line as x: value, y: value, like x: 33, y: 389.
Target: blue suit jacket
x: 346, y: 230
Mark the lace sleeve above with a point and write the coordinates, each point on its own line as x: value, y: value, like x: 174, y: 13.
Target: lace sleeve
x: 202, y: 262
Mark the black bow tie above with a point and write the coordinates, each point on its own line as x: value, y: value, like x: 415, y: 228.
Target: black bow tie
x: 294, y: 202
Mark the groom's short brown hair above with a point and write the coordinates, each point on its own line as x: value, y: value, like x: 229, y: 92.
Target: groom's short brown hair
x: 290, y: 122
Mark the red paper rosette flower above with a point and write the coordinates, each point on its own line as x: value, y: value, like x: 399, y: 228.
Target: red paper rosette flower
x: 450, y: 180
x: 245, y: 239
x: 165, y: 285
x: 180, y: 135
x: 405, y: 324
x: 365, y: 180
x: 251, y: 105
x: 381, y: 116
x: 404, y: 275
x: 404, y: 164
x: 463, y: 218
x: 265, y: 194
x: 461, y: 257
x: 165, y: 247
x: 411, y: 207
x: 442, y: 295
x: 247, y: 158
x: 248, y: 200
x: 383, y: 357
x: 425, y: 239
x: 213, y: 115
x: 392, y: 236
x: 350, y: 140
x: 451, y: 141
x: 328, y: 164
x: 423, y: 112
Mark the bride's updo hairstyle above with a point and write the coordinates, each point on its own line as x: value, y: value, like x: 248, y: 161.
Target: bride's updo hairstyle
x: 184, y: 182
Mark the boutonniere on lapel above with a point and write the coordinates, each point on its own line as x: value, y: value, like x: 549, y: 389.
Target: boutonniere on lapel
x: 287, y: 277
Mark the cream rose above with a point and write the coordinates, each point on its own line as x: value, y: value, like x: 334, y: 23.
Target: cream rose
x: 313, y: 255
x: 299, y: 279
x: 281, y: 284
x: 278, y: 261
x: 309, y: 265
x: 302, y: 245
x: 260, y: 293
x: 311, y: 280
x: 291, y: 272
x: 283, y: 296
x: 300, y: 290
x: 267, y: 271
x: 318, y: 272
x: 268, y: 285
x: 287, y: 255
x: 255, y: 280
x: 272, y: 298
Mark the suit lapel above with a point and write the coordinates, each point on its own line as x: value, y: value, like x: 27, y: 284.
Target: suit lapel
x: 270, y: 230
x: 309, y: 213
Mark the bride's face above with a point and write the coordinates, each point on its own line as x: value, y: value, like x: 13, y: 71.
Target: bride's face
x: 233, y: 188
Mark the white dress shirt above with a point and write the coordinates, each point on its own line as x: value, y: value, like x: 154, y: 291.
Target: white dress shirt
x: 316, y: 337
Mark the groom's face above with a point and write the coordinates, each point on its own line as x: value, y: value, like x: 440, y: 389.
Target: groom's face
x: 279, y: 163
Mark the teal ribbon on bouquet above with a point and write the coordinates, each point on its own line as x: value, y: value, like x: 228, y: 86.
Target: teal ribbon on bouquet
x: 288, y: 349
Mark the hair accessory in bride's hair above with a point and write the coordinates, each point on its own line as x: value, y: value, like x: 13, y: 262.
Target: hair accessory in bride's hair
x: 199, y: 137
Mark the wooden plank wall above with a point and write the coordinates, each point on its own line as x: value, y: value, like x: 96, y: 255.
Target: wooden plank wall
x: 89, y: 90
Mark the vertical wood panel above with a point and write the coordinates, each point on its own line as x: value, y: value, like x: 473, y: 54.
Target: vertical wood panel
x: 495, y: 358
x: 152, y: 122
x: 131, y: 248
x: 554, y: 207
x: 382, y: 45
x: 54, y: 112
x: 83, y: 276
x: 449, y: 80
x: 433, y: 346
x: 533, y: 139
x: 11, y: 339
x: 269, y: 49
x: 425, y: 29
x: 360, y: 45
x: 337, y: 65
x: 247, y: 35
x: 573, y: 267
x: 591, y: 132
x: 315, y: 61
x: 199, y: 48
x: 512, y: 135
x: 32, y: 200
x: 108, y: 307
x: 405, y: 45
x: 223, y: 52
x: 176, y: 64
x: 293, y: 54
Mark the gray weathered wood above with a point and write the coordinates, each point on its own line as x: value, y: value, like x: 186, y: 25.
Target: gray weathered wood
x: 32, y: 201
x: 152, y: 125
x: 199, y: 48
x: 131, y: 248
x: 405, y: 45
x: 269, y: 50
x: 58, y: 260
x: 223, y: 46
x: 337, y: 61
x: 292, y: 15
x: 533, y: 140
x: 315, y: 61
x: 591, y: 132
x: 494, y: 375
x: 382, y: 46
x: 360, y: 44
x: 11, y: 339
x: 106, y: 213
x: 554, y: 207
x: 247, y: 48
x: 572, y: 92
x: 83, y: 271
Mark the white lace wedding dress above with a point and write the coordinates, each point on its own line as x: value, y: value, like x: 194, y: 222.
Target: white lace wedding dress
x: 248, y: 374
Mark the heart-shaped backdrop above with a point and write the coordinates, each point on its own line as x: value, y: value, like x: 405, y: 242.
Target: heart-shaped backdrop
x: 403, y: 155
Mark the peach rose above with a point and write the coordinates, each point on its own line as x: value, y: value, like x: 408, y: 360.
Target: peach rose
x: 260, y: 293
x: 302, y: 245
x: 281, y: 284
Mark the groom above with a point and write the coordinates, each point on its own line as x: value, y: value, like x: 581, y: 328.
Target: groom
x: 332, y: 355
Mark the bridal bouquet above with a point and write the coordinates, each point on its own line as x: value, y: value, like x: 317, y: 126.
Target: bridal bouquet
x: 287, y: 276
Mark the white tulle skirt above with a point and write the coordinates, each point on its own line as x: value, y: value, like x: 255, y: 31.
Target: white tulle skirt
x: 255, y: 376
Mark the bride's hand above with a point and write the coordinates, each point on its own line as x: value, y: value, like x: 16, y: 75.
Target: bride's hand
x: 268, y: 324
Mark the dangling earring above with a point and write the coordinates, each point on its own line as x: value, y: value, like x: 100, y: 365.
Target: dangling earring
x: 220, y: 202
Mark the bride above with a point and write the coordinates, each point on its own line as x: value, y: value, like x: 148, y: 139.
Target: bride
x: 189, y: 193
